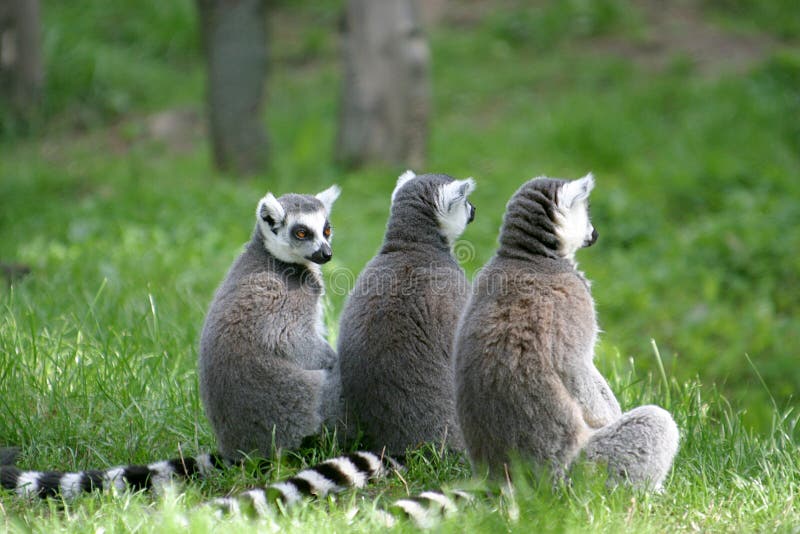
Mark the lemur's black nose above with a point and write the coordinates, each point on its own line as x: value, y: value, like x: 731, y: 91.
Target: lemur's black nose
x: 322, y: 255
x: 592, y: 239
x: 471, y: 214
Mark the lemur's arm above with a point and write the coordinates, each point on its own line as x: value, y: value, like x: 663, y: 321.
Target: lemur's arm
x: 310, y: 339
x: 307, y: 351
x: 581, y: 378
x: 281, y: 325
x: 331, y: 403
x: 320, y: 354
x: 590, y: 389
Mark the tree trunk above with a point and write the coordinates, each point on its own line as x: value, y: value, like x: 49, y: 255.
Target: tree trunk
x: 386, y: 96
x: 21, y: 66
x: 234, y: 34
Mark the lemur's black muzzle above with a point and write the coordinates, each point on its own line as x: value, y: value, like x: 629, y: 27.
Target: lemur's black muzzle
x: 471, y: 213
x: 322, y: 255
x: 592, y: 239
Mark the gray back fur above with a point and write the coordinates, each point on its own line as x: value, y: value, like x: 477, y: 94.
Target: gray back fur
x: 268, y: 378
x: 526, y: 385
x: 397, y: 328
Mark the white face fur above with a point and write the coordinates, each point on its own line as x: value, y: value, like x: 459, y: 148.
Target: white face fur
x: 573, y: 227
x: 302, y: 238
x: 453, y: 209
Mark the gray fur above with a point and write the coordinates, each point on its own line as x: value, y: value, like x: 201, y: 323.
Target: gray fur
x: 526, y: 384
x: 397, y: 327
x: 268, y: 377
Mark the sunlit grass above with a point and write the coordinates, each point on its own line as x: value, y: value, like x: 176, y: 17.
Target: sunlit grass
x: 726, y: 477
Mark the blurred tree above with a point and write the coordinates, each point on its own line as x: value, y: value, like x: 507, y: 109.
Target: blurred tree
x: 21, y: 66
x: 386, y: 95
x: 234, y: 34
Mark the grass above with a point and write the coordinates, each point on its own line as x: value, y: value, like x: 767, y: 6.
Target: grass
x: 127, y: 237
x: 726, y: 477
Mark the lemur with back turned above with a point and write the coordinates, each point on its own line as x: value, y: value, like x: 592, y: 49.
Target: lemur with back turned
x: 526, y: 384
x: 396, y: 330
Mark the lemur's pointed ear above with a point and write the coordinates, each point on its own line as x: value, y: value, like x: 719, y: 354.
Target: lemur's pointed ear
x: 402, y: 179
x: 329, y: 196
x: 270, y: 211
x: 453, y: 192
x: 576, y: 190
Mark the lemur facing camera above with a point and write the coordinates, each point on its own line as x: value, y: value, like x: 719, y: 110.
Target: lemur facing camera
x: 526, y: 384
x: 268, y: 377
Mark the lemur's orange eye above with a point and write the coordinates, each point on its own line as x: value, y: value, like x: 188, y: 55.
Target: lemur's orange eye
x: 327, y: 231
x: 300, y: 234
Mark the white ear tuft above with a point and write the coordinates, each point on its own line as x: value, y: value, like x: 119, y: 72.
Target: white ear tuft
x: 589, y: 179
x: 576, y: 190
x: 329, y: 196
x: 467, y: 186
x: 401, y: 180
x: 270, y: 211
x: 453, y: 192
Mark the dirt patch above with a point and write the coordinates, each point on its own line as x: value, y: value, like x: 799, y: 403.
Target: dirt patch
x: 179, y: 129
x: 464, y: 13
x: 676, y: 29
x: 672, y: 29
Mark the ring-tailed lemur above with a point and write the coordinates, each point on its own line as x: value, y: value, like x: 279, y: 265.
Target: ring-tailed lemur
x: 331, y: 476
x: 525, y: 381
x: 268, y: 377
x: 397, y: 327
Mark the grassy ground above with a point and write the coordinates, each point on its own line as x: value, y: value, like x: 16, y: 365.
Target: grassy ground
x: 127, y: 231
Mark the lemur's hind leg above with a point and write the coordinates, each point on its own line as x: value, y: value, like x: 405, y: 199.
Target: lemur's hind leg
x: 638, y: 447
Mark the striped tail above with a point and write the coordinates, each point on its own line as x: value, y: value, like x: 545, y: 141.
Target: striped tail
x: 338, y: 474
x: 426, y: 509
x: 46, y: 484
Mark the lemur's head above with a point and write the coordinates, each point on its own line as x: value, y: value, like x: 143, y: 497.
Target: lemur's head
x: 439, y: 195
x: 295, y: 228
x: 550, y: 217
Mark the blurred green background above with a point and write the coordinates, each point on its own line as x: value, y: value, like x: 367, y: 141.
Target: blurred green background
x: 687, y: 112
